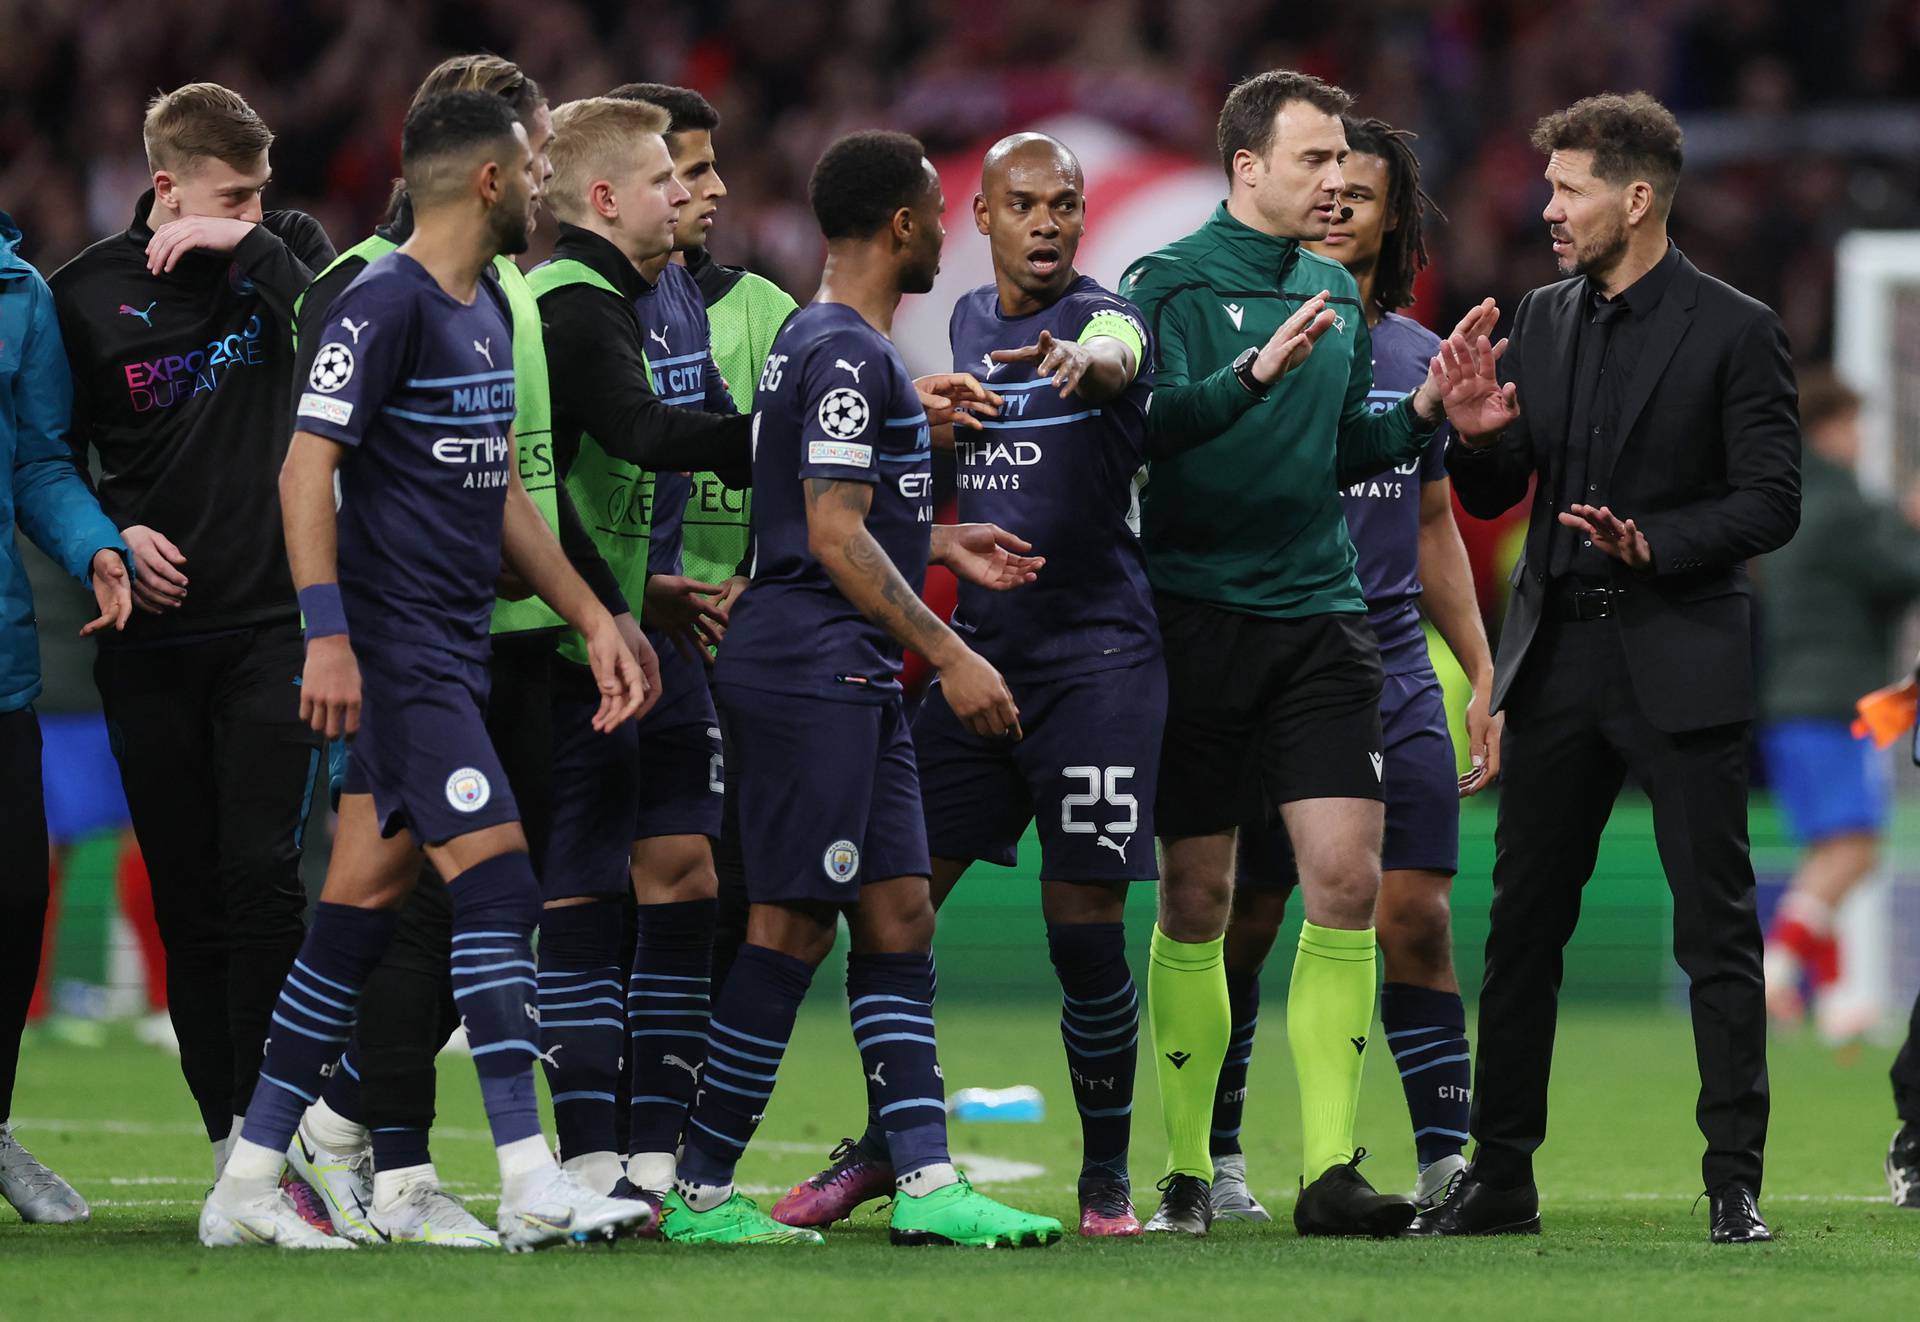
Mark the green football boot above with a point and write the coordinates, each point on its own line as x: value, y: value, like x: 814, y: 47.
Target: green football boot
x: 956, y: 1214
x: 739, y: 1220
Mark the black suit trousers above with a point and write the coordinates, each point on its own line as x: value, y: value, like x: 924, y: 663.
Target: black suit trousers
x: 1574, y: 733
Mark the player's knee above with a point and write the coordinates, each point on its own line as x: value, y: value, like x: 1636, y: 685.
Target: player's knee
x: 1083, y: 902
x: 668, y: 874
x: 1416, y: 941
x: 1341, y: 891
x: 1195, y: 903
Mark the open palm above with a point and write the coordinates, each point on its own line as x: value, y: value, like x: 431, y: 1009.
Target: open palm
x: 1465, y: 373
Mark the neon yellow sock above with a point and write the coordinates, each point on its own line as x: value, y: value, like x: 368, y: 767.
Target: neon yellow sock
x: 1329, y: 1015
x: 1187, y: 1004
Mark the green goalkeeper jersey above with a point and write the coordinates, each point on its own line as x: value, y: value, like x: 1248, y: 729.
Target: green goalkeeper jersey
x: 745, y: 312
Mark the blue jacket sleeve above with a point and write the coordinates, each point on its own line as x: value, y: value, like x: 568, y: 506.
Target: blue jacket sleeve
x: 52, y: 503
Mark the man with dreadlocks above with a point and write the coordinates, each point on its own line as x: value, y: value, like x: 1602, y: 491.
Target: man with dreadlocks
x: 1411, y: 560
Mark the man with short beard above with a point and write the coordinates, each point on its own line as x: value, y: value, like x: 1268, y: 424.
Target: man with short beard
x: 1655, y: 406
x: 407, y: 413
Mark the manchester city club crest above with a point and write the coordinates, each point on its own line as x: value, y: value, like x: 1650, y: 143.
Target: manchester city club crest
x: 468, y: 790
x: 842, y: 861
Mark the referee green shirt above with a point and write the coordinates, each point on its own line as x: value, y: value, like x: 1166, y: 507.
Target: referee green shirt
x: 1241, y: 508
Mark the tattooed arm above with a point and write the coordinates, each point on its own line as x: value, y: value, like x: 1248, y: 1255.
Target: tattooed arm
x: 837, y: 537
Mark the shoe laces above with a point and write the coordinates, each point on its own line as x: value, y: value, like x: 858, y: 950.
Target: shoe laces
x: 28, y: 1169
x: 841, y: 1160
x: 1185, y: 1192
x: 1359, y: 1155
x: 1110, y: 1199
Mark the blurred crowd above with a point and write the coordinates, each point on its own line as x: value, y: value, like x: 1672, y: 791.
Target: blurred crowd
x: 1771, y: 182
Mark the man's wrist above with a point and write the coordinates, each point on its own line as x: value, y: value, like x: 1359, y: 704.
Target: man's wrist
x: 323, y: 610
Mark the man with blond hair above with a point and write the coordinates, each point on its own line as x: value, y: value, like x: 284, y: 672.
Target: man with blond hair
x: 635, y: 393
x: 178, y: 332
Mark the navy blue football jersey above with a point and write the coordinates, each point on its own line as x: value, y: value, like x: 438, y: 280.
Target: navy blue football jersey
x: 836, y: 402
x: 420, y: 386
x: 1383, y: 512
x: 1060, y: 474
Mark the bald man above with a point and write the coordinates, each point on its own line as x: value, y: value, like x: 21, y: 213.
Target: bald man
x: 1072, y: 364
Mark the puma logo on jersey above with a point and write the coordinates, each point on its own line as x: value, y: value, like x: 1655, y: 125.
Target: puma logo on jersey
x: 1117, y: 846
x: 658, y: 335
x: 843, y: 363
x: 145, y: 314
x: 1379, y: 766
x: 680, y: 1064
x: 353, y: 330
x: 1234, y: 313
x: 485, y: 350
x: 990, y: 366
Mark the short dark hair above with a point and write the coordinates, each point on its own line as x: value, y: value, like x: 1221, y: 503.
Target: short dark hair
x: 446, y: 125
x: 1403, y: 248
x: 1631, y: 137
x: 687, y: 110
x: 863, y: 179
x: 1247, y: 120
x: 1824, y: 396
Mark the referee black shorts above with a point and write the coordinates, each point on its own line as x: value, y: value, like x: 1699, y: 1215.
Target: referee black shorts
x: 1262, y: 712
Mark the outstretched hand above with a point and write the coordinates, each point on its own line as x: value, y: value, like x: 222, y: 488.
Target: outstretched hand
x: 988, y: 555
x: 1466, y: 375
x: 1066, y: 361
x: 1289, y: 346
x: 955, y: 398
x: 1619, y: 538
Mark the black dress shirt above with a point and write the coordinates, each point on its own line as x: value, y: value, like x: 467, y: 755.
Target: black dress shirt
x: 1611, y: 337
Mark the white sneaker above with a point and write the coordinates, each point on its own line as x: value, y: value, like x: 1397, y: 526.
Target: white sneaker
x: 559, y: 1210
x: 426, y: 1214
x: 41, y: 1197
x: 343, y: 1181
x: 267, y: 1219
x: 1232, y: 1200
x: 1436, y: 1182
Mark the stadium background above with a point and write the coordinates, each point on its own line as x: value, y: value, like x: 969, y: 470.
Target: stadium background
x: 1802, y: 124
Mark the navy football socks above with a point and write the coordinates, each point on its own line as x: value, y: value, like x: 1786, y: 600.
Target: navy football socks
x: 582, y: 1021
x: 1427, y: 1033
x: 1100, y: 1028
x: 668, y: 1010
x: 496, y: 905
x: 752, y: 1024
x: 890, y: 999
x: 1230, y: 1099
x: 313, y: 1019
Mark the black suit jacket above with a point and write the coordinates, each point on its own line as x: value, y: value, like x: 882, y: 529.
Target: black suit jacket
x: 1706, y: 461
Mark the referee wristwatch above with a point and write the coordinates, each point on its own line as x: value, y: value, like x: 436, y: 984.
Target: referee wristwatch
x: 1243, y: 373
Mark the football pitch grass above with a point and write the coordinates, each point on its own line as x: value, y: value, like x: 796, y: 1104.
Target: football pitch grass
x: 1618, y: 1181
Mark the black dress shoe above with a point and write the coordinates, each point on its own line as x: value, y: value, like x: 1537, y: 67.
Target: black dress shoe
x: 1480, y: 1209
x: 1341, y: 1202
x: 1736, y: 1217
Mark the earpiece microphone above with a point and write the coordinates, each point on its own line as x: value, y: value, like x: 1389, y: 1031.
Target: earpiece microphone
x: 1346, y: 213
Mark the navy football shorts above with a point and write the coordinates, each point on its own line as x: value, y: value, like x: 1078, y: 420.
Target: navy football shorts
x: 1086, y: 770
x: 1422, y: 791
x: 422, y: 750
x: 828, y: 795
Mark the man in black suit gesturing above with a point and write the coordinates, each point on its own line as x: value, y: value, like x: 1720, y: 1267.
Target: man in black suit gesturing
x: 1656, y: 407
